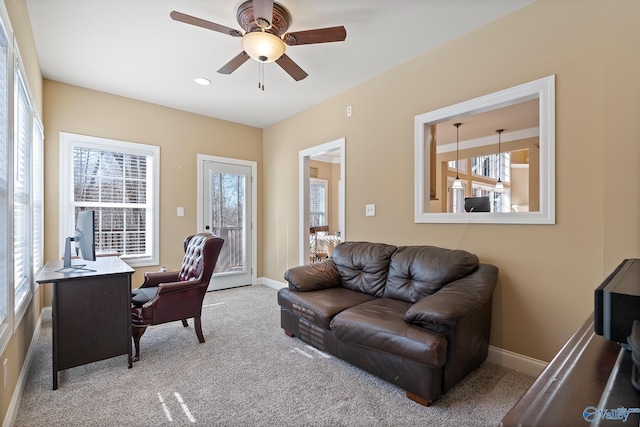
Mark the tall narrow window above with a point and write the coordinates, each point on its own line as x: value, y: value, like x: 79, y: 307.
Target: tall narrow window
x: 37, y: 198
x: 318, y: 202
x: 22, y: 194
x: 118, y: 180
x: 4, y: 158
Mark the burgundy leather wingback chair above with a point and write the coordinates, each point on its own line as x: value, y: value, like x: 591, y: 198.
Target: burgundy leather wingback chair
x: 171, y: 296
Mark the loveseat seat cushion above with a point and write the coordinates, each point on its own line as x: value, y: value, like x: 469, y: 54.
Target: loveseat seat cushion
x: 379, y: 325
x: 363, y: 266
x: 416, y: 272
x: 319, y: 307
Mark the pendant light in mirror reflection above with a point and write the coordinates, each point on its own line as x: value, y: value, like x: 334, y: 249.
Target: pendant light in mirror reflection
x: 499, y: 185
x: 457, y: 183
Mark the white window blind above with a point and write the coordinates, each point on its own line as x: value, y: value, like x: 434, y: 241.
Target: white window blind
x: 4, y: 158
x: 37, y: 198
x: 318, y: 201
x: 22, y: 194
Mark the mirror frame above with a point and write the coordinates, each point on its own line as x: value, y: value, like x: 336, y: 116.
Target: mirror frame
x: 542, y: 89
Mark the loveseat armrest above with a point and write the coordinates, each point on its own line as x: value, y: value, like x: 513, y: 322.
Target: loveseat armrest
x: 455, y: 301
x: 313, y: 277
x: 461, y: 311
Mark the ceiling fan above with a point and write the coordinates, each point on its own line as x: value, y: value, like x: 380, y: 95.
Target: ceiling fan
x: 265, y: 23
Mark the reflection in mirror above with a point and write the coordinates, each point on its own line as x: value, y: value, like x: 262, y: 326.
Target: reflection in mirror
x: 324, y: 229
x: 504, y: 148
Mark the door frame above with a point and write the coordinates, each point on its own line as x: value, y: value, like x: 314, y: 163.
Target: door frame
x: 304, y: 160
x: 253, y: 220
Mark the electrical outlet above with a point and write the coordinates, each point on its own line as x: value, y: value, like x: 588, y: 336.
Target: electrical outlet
x: 349, y: 111
x: 370, y: 210
x: 180, y: 211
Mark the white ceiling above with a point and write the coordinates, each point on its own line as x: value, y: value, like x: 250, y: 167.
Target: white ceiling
x: 134, y: 49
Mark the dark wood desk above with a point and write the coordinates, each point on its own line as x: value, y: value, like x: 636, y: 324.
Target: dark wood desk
x: 588, y: 373
x: 91, y: 312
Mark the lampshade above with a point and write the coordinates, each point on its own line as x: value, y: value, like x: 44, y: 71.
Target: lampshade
x: 457, y: 184
x: 263, y: 46
x: 499, y: 187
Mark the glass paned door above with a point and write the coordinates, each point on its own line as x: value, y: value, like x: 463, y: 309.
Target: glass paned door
x: 227, y: 192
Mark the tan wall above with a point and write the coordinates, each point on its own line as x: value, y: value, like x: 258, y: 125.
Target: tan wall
x: 181, y: 136
x: 547, y: 272
x: 18, y: 346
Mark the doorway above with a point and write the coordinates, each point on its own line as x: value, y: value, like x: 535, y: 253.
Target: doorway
x: 331, y: 152
x: 226, y: 208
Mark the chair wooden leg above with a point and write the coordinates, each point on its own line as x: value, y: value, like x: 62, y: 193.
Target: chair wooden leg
x: 184, y: 323
x: 137, y: 332
x: 198, y: 328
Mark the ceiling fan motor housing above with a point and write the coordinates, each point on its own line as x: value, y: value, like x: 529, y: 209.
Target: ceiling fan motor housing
x: 279, y: 21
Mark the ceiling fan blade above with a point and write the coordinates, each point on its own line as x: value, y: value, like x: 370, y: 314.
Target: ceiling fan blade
x: 233, y: 65
x: 263, y: 9
x: 291, y: 68
x: 198, y: 22
x: 320, y: 35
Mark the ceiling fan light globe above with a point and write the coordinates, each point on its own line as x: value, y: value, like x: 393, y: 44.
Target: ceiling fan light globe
x: 262, y: 46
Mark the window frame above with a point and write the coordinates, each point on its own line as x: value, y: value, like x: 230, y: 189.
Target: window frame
x: 6, y: 297
x: 25, y: 129
x: 325, y: 212
x: 69, y: 141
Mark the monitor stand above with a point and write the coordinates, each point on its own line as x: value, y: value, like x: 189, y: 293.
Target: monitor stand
x: 67, y: 267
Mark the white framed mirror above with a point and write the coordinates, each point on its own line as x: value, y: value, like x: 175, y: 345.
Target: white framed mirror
x: 505, y: 138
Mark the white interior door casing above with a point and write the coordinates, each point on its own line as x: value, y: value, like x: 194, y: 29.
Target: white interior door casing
x: 304, y: 158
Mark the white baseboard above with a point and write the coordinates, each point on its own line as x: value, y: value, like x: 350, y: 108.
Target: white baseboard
x: 271, y: 283
x: 518, y: 362
x: 12, y: 411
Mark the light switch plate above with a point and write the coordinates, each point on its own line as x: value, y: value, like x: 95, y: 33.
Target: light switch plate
x: 180, y: 211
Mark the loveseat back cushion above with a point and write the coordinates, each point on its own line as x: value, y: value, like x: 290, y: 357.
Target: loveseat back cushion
x: 416, y: 272
x: 363, y: 266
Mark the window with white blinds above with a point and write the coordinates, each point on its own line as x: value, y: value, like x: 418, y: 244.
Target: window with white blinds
x: 22, y: 194
x: 37, y: 198
x: 318, y: 201
x: 21, y: 187
x: 119, y: 181
x: 4, y: 170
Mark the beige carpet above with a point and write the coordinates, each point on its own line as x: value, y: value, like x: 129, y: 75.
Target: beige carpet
x: 247, y: 373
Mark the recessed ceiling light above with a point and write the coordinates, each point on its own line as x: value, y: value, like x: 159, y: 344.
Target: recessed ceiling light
x: 202, y: 81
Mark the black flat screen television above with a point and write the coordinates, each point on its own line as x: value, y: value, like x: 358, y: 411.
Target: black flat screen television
x: 477, y: 204
x: 84, y: 240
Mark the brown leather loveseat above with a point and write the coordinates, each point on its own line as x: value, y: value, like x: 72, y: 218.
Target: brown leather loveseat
x: 416, y: 316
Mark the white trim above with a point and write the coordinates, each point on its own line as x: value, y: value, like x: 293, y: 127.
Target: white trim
x: 201, y: 158
x: 544, y: 90
x: 67, y: 142
x: 14, y: 405
x: 303, y: 192
x: 271, y: 283
x: 517, y: 362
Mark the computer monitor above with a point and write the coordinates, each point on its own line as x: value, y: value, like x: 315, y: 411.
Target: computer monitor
x: 84, y: 239
x: 477, y: 204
